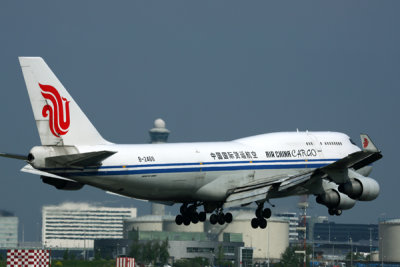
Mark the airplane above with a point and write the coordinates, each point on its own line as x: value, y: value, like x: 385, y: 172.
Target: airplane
x: 213, y: 175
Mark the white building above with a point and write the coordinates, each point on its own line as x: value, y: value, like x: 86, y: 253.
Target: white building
x: 76, y: 225
x: 267, y: 244
x: 293, y: 219
x: 8, y: 230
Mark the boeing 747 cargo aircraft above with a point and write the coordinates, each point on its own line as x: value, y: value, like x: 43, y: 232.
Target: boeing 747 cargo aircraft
x: 204, y: 177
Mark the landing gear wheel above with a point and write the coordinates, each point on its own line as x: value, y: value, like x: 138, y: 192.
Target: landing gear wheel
x: 221, y: 219
x: 179, y: 219
x: 191, y: 209
x: 183, y: 209
x: 195, y: 217
x: 254, y: 223
x: 186, y: 221
x: 202, y: 216
x: 259, y: 213
x: 267, y: 213
x: 338, y: 212
x: 331, y: 212
x: 262, y: 223
x: 213, y: 219
x: 228, y: 217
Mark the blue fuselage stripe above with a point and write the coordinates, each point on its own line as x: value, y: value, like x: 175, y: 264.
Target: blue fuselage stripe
x: 198, y: 168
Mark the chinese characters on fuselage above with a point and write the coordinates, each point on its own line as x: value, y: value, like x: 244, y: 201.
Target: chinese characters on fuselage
x: 234, y: 155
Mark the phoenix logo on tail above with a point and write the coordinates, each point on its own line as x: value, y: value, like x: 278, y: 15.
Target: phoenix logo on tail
x: 59, y: 114
x: 365, y: 143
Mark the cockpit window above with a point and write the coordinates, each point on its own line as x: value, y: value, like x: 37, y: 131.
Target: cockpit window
x: 351, y: 141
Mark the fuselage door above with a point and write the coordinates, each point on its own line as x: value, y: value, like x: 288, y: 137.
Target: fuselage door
x: 317, y: 145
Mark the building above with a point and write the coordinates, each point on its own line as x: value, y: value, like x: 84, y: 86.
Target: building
x: 8, y: 230
x: 182, y: 245
x: 158, y: 135
x: 76, y: 225
x: 342, y: 232
x: 389, y: 240
x: 267, y: 243
x: 333, y: 241
x: 293, y: 220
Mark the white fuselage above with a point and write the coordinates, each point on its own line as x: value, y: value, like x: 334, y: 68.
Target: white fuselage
x: 185, y: 172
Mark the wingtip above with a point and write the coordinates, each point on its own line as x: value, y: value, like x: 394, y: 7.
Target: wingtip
x: 367, y: 144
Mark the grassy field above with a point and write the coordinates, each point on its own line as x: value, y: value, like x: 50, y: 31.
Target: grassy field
x: 73, y: 263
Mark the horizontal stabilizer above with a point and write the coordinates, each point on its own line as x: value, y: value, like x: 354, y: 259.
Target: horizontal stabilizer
x: 29, y: 169
x: 80, y: 160
x: 13, y: 156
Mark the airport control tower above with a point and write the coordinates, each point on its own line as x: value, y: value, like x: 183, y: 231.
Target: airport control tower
x: 159, y: 134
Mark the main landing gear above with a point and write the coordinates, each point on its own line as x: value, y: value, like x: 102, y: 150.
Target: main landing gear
x: 336, y: 212
x: 220, y: 217
x: 189, y: 215
x: 261, y: 216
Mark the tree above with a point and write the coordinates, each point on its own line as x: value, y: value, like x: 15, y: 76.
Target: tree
x: 220, y: 256
x: 72, y: 256
x: 292, y: 259
x: 97, y: 255
x: 164, y: 254
x: 66, y: 255
x: 155, y: 251
x: 356, y: 256
x: 195, y: 262
x: 149, y: 252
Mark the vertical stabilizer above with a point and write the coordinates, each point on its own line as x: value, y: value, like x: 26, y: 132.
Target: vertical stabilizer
x: 58, y: 118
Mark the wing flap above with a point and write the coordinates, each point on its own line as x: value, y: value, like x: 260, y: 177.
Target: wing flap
x: 246, y: 197
x: 259, y: 191
x: 295, y: 180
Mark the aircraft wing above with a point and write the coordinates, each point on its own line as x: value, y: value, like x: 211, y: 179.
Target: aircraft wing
x: 336, y: 171
x: 247, y: 194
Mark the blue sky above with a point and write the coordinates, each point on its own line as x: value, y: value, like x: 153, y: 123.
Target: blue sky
x: 213, y: 70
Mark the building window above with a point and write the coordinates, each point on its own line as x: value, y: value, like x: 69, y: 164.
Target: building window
x: 199, y: 250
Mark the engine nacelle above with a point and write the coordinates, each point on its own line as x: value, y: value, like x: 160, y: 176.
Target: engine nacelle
x: 335, y: 200
x: 61, y: 184
x: 364, y: 189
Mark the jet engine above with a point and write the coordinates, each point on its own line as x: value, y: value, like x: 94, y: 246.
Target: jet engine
x: 364, y: 189
x: 335, y: 200
x: 61, y: 184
